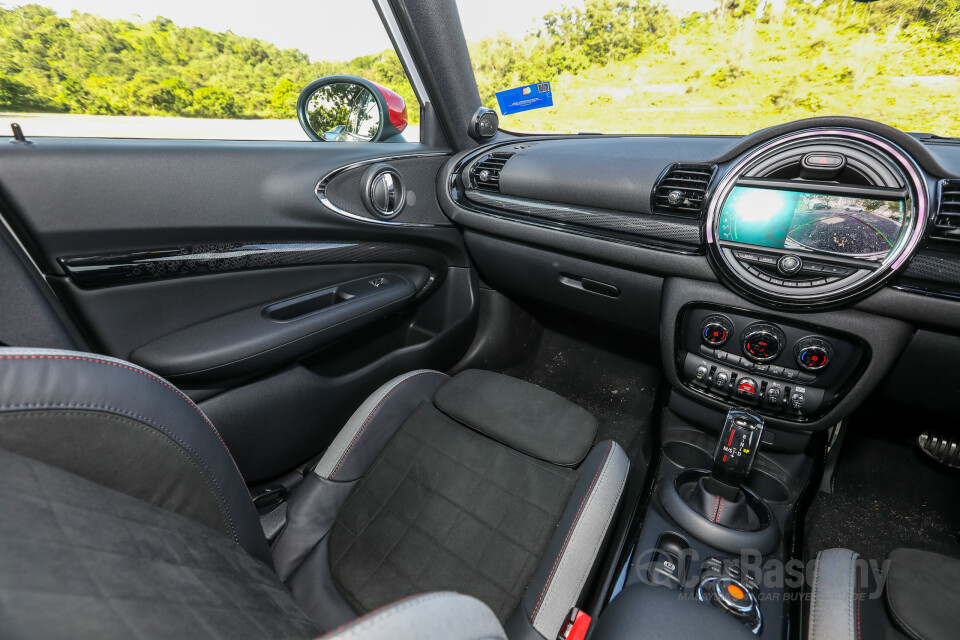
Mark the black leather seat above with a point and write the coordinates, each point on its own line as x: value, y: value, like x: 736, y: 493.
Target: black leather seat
x: 915, y: 594
x: 479, y: 484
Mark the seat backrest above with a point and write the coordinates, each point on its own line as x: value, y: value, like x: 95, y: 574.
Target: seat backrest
x: 128, y: 429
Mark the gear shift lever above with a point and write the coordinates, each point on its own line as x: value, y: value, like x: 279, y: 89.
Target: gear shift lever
x: 718, y: 497
x: 718, y: 506
x: 736, y: 450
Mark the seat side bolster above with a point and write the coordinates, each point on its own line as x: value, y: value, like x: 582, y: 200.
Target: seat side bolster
x: 573, y: 550
x: 372, y: 425
x: 54, y: 380
x: 433, y: 616
x: 833, y: 598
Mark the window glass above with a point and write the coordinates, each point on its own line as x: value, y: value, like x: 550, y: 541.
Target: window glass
x: 719, y: 66
x: 184, y: 68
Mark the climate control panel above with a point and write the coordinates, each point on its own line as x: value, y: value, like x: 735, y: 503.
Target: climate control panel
x: 779, y: 368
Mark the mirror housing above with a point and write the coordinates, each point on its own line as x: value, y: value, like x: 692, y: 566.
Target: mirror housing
x: 347, y: 108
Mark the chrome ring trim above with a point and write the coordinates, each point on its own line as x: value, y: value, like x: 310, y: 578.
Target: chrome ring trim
x: 321, y: 190
x: 889, y: 265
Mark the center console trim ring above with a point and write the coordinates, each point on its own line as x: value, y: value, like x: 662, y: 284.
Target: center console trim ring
x: 764, y: 541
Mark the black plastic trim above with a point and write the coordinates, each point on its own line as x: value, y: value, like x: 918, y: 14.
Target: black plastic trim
x: 663, y: 228
x: 602, y: 220
x: 136, y: 266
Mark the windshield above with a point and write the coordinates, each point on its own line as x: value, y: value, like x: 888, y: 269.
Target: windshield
x: 727, y: 67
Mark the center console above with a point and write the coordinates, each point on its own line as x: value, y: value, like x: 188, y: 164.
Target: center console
x: 716, y: 535
x: 760, y: 364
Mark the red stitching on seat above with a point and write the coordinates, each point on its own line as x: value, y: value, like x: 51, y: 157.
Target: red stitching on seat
x: 857, y: 586
x: 368, y: 615
x: 140, y: 371
x: 374, y: 412
x: 573, y: 524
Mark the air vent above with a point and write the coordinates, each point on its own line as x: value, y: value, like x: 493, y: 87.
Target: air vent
x: 682, y: 189
x: 947, y: 224
x: 486, y: 173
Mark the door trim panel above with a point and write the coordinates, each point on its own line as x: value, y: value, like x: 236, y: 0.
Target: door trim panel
x: 136, y: 266
x: 321, y: 191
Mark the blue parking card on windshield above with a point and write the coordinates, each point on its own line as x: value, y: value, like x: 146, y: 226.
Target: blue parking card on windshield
x: 532, y: 96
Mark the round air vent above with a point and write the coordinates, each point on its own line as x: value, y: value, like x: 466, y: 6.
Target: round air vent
x: 816, y: 217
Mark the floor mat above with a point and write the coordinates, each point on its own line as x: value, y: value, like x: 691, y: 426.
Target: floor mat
x: 886, y: 495
x: 613, y: 376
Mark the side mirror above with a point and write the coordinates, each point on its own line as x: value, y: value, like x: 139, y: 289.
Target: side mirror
x: 351, y: 109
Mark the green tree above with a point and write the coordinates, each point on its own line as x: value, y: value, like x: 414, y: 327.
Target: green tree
x: 214, y: 102
x: 88, y: 64
x: 284, y: 100
x: 171, y: 95
x: 17, y: 96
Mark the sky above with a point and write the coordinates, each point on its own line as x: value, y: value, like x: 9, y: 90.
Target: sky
x: 324, y: 29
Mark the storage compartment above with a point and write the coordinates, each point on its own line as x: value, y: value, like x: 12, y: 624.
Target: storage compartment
x: 609, y: 294
x: 316, y: 301
x: 304, y: 305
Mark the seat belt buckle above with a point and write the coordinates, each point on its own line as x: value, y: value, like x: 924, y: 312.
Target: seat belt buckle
x: 268, y: 499
x: 575, y: 626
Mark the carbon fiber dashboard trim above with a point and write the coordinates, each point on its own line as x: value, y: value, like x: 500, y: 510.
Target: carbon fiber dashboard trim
x: 634, y: 224
x: 137, y: 266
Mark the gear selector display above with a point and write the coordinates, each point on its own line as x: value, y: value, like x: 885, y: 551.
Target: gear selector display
x: 737, y: 447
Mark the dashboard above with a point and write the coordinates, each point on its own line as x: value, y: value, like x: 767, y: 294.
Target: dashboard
x: 815, y: 252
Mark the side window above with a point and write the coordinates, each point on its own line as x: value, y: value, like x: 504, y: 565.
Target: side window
x: 202, y: 70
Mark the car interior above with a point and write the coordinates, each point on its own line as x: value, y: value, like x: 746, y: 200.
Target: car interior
x: 483, y: 385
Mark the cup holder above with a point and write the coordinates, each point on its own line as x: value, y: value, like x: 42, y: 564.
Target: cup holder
x: 767, y: 487
x: 688, y: 455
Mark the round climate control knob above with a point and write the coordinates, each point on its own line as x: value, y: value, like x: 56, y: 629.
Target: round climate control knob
x: 762, y: 342
x: 813, y: 354
x: 715, y: 330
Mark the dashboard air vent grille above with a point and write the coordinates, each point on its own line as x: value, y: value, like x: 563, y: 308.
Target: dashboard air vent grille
x: 947, y: 224
x: 682, y: 189
x: 486, y: 173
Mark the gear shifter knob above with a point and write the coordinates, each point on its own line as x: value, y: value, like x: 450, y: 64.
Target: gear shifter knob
x: 736, y: 450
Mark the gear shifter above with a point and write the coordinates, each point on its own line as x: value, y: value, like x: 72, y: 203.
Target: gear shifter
x: 736, y: 450
x: 719, y: 497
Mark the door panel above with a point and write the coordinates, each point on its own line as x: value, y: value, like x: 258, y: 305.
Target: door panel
x: 307, y: 403
x: 184, y: 256
x: 125, y: 318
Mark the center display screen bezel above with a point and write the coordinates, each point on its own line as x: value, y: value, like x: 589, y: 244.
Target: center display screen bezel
x: 811, y: 222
